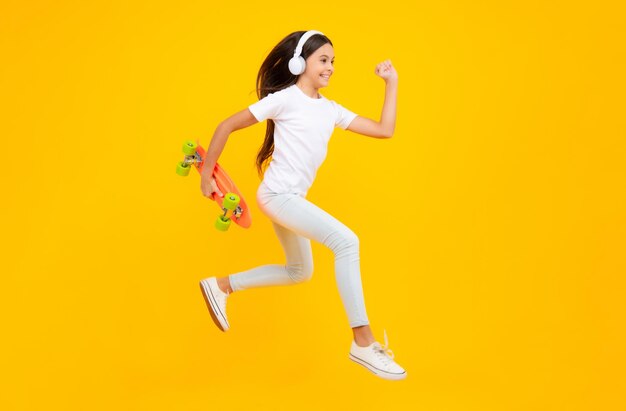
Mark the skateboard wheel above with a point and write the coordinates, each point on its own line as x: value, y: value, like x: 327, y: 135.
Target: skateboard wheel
x: 182, y: 169
x: 230, y: 201
x: 222, y: 223
x: 189, y: 148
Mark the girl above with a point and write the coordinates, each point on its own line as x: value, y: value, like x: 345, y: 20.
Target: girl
x: 300, y: 122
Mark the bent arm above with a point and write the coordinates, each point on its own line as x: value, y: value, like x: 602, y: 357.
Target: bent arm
x: 387, y: 124
x: 237, y: 121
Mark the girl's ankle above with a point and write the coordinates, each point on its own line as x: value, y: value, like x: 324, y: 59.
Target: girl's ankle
x: 224, y: 285
x: 364, y: 342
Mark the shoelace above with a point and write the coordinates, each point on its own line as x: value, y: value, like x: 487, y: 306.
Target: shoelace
x: 384, y: 350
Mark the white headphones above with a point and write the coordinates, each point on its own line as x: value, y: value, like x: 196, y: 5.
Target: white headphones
x: 297, y: 63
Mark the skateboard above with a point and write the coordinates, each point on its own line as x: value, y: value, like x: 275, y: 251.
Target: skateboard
x: 232, y: 201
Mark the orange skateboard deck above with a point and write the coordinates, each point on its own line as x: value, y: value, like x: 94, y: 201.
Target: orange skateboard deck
x: 231, y: 201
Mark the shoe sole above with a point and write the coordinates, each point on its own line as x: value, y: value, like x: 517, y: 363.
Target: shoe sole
x: 382, y: 374
x: 211, y: 304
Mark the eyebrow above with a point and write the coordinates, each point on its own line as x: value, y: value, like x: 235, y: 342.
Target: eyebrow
x: 324, y: 55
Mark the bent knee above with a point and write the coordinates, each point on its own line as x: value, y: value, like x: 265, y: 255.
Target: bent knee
x: 351, y: 239
x: 300, y: 273
x: 343, y: 241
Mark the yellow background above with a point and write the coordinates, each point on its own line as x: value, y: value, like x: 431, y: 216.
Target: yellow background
x: 492, y: 224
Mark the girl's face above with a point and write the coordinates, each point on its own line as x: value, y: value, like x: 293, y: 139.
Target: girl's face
x: 319, y: 66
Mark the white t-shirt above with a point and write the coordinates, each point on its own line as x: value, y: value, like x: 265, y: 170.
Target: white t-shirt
x: 302, y: 129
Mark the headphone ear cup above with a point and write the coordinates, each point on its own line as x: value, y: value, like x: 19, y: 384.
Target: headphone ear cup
x: 297, y: 65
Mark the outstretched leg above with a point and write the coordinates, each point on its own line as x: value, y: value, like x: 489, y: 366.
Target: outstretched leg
x: 300, y: 216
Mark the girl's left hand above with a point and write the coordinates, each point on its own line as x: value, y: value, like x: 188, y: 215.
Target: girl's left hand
x: 386, y: 71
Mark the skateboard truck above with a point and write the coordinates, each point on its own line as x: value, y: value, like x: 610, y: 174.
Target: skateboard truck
x: 191, y: 159
x: 230, y: 202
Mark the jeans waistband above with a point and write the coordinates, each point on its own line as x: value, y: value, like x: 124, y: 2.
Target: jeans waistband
x: 264, y: 190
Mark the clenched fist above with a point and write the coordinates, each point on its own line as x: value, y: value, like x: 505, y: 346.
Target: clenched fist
x: 386, y: 71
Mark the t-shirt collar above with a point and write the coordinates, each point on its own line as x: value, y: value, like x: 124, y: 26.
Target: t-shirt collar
x: 307, y: 97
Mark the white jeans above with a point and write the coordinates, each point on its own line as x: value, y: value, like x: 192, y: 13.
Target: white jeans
x: 296, y: 221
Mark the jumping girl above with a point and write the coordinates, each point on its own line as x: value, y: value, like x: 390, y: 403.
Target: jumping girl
x: 300, y: 122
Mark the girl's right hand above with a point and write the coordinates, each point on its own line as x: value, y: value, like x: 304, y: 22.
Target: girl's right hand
x: 209, y: 186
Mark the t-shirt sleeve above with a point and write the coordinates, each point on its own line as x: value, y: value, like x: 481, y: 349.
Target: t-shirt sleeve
x: 267, y: 108
x: 344, y: 116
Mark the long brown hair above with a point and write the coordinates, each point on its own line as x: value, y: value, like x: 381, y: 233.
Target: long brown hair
x: 274, y: 75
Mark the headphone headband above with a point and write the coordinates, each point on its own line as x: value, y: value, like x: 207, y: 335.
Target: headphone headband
x: 303, y: 40
x: 297, y: 63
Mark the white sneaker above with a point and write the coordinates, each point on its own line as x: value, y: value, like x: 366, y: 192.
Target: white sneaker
x: 216, y: 302
x: 378, y: 359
